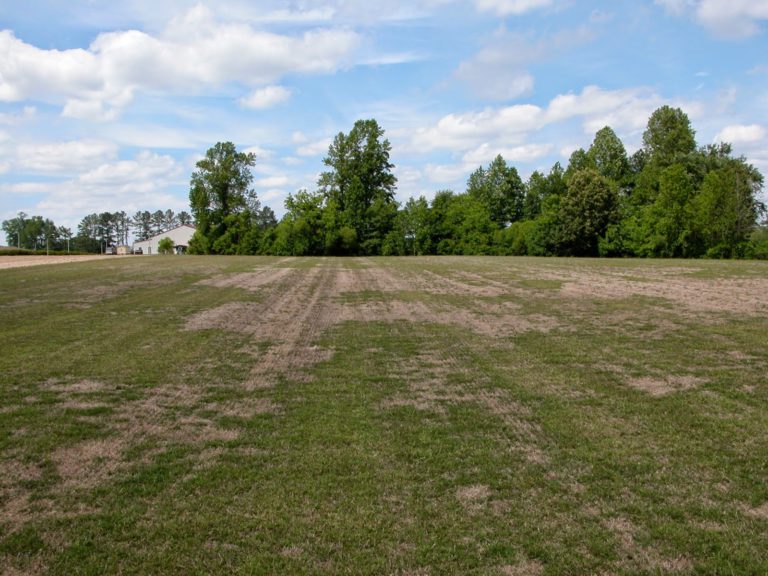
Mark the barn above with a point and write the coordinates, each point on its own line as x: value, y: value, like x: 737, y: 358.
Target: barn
x: 181, y: 235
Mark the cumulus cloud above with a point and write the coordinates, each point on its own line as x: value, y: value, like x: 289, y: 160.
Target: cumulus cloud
x: 266, y: 97
x: 194, y: 51
x: 624, y: 110
x: 64, y: 157
x: 741, y: 134
x: 485, y: 153
x: 725, y: 18
x: 315, y: 148
x: 272, y: 181
x: 474, y: 138
x: 140, y: 183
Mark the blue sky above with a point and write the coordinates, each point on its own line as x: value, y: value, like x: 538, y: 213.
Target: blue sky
x: 107, y: 106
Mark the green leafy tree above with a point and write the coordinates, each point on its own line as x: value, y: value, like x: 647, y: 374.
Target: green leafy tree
x: 585, y: 212
x: 184, y: 217
x: 500, y: 190
x: 669, y: 136
x: 220, y: 189
x: 158, y: 222
x: 578, y: 161
x: 360, y: 185
x: 608, y: 156
x: 142, y: 225
x: 165, y: 246
x: 540, y: 187
x: 14, y: 230
x: 668, y: 218
x: 727, y: 208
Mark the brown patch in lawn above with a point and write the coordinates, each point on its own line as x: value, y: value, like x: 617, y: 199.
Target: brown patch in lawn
x: 525, y: 567
x: 473, y: 497
x: 77, y: 404
x: 665, y: 385
x: 760, y: 512
x: 635, y: 556
x: 31, y: 568
x: 163, y: 416
x: 299, y: 305
x: 251, y: 281
x: 744, y: 296
x: 74, y: 386
x: 89, y: 463
x: 245, y: 407
x: 440, y: 284
x: 232, y: 316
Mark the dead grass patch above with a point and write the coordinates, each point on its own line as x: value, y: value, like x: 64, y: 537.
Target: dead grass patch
x: 665, y: 385
x: 473, y: 497
x: 299, y: 305
x: 89, y: 463
x: 634, y: 556
x: 760, y: 512
x: 743, y: 296
x: 251, y: 281
x: 525, y: 567
x: 75, y: 386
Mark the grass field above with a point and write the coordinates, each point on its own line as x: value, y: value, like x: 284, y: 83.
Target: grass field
x: 195, y: 415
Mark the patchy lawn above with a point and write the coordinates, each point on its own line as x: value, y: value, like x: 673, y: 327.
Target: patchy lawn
x: 177, y: 415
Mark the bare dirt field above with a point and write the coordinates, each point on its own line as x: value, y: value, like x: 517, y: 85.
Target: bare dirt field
x: 24, y: 261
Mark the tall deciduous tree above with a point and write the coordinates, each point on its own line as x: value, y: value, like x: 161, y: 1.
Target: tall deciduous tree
x: 608, y: 155
x: 500, y: 190
x: 586, y: 210
x: 360, y: 184
x: 669, y: 136
x: 220, y: 189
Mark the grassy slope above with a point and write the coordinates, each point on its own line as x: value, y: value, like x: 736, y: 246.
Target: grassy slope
x: 130, y: 445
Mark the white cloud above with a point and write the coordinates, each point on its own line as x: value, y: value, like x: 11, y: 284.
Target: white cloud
x: 272, y: 181
x: 725, y: 18
x: 741, y: 134
x: 261, y: 153
x: 130, y: 185
x: 462, y: 131
x: 514, y: 7
x: 314, y: 148
x: 624, y: 110
x: 448, y: 173
x: 64, y: 157
x: 485, y: 153
x: 268, y: 97
x: 194, y: 52
x: 143, y: 183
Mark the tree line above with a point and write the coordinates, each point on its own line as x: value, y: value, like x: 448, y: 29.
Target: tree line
x: 95, y: 232
x: 672, y: 198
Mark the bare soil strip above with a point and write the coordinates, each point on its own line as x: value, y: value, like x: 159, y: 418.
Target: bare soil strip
x: 7, y: 262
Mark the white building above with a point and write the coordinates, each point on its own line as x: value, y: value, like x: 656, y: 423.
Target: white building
x: 181, y: 235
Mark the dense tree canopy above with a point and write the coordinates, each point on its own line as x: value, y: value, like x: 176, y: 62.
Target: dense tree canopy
x: 360, y: 187
x: 222, y: 200
x: 669, y: 199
